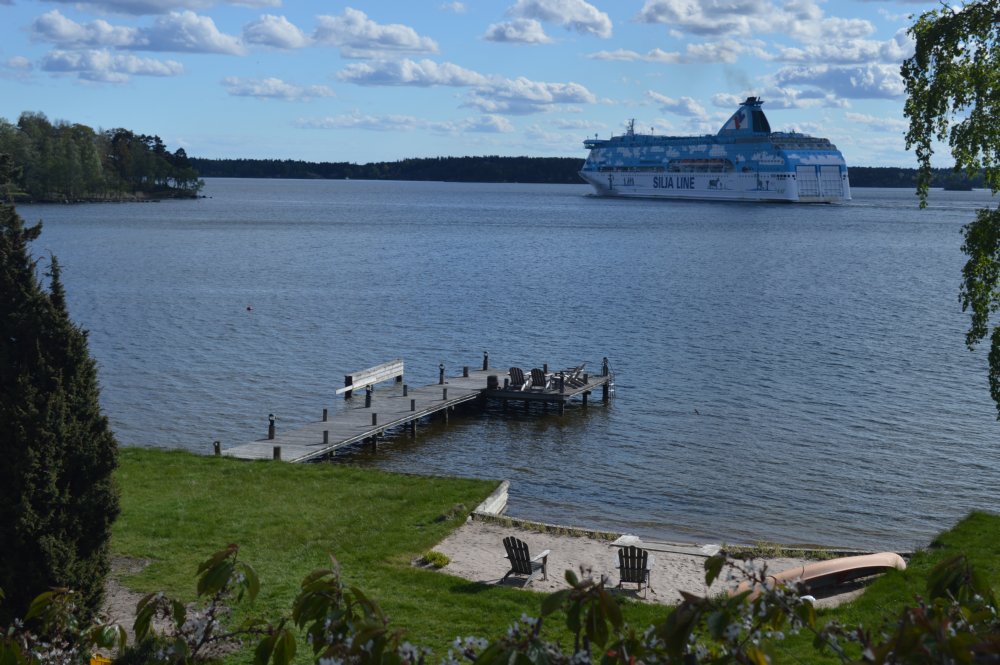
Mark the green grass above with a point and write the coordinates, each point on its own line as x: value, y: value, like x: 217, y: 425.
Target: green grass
x: 977, y: 536
x: 178, y: 508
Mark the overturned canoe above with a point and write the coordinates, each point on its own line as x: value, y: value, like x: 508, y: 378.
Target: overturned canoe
x: 834, y: 572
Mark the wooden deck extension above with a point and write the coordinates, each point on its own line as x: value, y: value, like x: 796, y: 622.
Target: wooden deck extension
x: 362, y: 423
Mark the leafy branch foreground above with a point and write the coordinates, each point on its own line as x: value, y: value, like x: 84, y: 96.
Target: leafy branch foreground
x: 343, y: 625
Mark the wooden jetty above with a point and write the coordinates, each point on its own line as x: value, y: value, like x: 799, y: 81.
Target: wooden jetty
x: 365, y: 421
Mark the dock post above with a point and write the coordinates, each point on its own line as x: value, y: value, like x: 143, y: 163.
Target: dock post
x: 562, y: 382
x: 276, y: 453
x: 374, y: 419
x: 348, y: 380
x: 217, y: 448
x: 444, y: 394
x: 562, y: 407
x: 368, y: 396
x: 545, y: 367
x: 326, y: 415
x: 586, y: 394
x: 326, y: 436
x: 413, y: 405
x: 270, y: 426
x: 486, y: 360
x: 441, y: 374
x: 605, y: 390
x: 406, y: 390
x: 465, y: 371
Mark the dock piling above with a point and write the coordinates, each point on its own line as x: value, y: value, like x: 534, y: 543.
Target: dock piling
x: 326, y: 415
x: 413, y: 405
x: 406, y: 390
x: 441, y: 374
x: 217, y: 448
x: 486, y: 360
x: 276, y: 453
x: 270, y: 426
x: 465, y: 371
x: 368, y: 396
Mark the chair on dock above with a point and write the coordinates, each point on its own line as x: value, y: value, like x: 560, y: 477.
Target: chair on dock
x: 574, y: 376
x: 517, y: 380
x: 521, y: 561
x: 538, y: 380
x: 633, y: 567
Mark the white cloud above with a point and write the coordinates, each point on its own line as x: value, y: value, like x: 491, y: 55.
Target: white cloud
x: 854, y: 51
x: 143, y: 7
x: 879, y: 123
x: 102, y: 65
x: 55, y: 28
x: 18, y: 63
x: 712, y: 17
x: 522, y: 96
x: 862, y: 82
x: 187, y: 32
x: 275, y: 31
x: 381, y: 123
x: 457, y: 7
x: 409, y: 72
x: 684, y: 106
x: 624, y: 55
x: 358, y: 36
x: 575, y: 15
x: 520, y: 30
x: 777, y: 97
x: 273, y: 88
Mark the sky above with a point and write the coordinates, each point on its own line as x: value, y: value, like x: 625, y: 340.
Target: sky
x: 382, y: 81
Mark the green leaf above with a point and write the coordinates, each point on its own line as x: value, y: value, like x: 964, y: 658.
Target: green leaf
x: 284, y: 648
x: 218, y: 557
x: 40, y: 605
x: 713, y: 567
x: 215, y: 578
x: 554, y: 601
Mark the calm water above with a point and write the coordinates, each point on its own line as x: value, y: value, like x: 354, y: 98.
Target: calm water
x: 784, y: 372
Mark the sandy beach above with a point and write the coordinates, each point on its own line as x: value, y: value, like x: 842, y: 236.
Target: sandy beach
x: 476, y: 553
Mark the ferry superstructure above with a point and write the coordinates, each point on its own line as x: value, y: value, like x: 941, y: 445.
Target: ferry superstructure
x: 745, y: 161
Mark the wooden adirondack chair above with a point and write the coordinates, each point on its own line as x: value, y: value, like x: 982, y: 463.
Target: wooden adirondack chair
x: 633, y: 567
x: 517, y: 380
x: 538, y: 380
x: 521, y: 561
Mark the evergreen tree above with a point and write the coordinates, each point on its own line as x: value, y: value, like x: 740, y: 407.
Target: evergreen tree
x: 57, y: 495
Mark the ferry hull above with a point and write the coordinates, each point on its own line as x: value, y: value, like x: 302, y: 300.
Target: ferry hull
x: 722, y: 186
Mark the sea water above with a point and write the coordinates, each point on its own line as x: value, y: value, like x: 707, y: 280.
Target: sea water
x: 783, y: 372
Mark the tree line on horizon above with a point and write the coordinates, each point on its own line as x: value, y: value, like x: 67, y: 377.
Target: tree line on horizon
x: 63, y: 161
x: 493, y: 168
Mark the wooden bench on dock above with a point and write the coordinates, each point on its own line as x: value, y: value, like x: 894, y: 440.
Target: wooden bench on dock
x: 371, y: 376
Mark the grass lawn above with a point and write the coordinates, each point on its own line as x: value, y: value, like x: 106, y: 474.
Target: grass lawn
x: 178, y: 508
x: 977, y: 536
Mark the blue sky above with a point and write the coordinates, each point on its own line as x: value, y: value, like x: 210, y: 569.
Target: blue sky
x: 380, y: 81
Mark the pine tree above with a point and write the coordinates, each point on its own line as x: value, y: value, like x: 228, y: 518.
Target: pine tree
x: 57, y: 451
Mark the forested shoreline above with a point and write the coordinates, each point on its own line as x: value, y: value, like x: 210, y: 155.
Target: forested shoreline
x: 70, y: 162
x: 555, y: 170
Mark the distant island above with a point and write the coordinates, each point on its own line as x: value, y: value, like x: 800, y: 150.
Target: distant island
x: 63, y: 162
x: 555, y: 170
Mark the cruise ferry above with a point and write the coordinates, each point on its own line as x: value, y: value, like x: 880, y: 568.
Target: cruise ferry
x: 745, y: 161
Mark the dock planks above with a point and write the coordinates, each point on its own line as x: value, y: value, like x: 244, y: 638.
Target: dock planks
x: 360, y: 423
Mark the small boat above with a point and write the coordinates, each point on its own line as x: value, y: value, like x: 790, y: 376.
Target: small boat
x: 833, y: 572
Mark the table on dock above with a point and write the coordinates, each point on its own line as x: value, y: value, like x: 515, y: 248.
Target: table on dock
x: 360, y: 422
